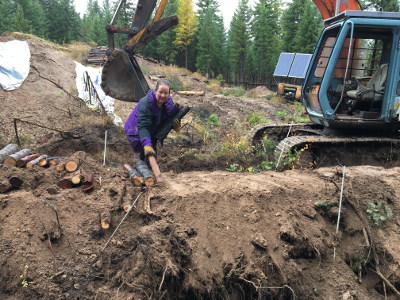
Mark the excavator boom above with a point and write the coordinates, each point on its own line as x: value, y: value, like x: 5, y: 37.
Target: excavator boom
x: 328, y: 7
x: 122, y: 77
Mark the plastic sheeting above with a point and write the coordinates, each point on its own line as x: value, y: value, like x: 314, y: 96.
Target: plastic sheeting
x: 95, y: 76
x: 14, y: 64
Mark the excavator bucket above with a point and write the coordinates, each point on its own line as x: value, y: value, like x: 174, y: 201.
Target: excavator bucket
x: 122, y: 78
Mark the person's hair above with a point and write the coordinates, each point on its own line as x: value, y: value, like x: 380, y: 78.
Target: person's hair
x: 163, y: 82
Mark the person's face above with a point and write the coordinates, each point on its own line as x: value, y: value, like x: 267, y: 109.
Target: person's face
x: 162, y: 94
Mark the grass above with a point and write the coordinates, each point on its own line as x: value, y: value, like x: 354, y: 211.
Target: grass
x: 256, y: 118
x: 213, y: 120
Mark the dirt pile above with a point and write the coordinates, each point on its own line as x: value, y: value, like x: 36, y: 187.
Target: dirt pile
x: 211, y: 235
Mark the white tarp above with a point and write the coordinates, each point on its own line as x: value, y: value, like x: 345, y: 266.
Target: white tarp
x: 14, y: 64
x: 95, y: 76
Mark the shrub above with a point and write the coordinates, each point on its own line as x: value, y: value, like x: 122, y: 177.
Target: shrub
x: 282, y: 114
x: 238, y: 91
x: 213, y: 120
x: 379, y: 212
x: 176, y: 84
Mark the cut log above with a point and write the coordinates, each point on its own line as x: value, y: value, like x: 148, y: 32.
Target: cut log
x: 34, y: 162
x: 54, y: 161
x: 77, y: 177
x: 126, y: 205
x: 8, y: 150
x: 75, y: 161
x: 23, y: 161
x: 13, y: 158
x: 44, y: 162
x: 167, y: 126
x: 5, y: 186
x: 190, y: 93
x: 144, y: 170
x: 105, y: 219
x: 65, y: 183
x: 61, y: 166
x: 135, y: 177
x: 16, y: 181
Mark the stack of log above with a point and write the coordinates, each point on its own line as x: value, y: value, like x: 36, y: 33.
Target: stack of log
x: 148, y: 58
x: 97, y: 56
x: 11, y: 155
x: 141, y: 174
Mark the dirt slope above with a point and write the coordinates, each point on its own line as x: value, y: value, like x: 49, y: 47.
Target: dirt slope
x: 212, y: 235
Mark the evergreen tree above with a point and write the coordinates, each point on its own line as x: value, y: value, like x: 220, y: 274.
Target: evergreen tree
x: 240, y: 38
x: 308, y: 29
x: 20, y: 24
x: 7, y: 11
x: 265, y: 31
x: 187, y: 25
x: 166, y: 49
x: 124, y: 20
x: 386, y: 5
x: 290, y: 24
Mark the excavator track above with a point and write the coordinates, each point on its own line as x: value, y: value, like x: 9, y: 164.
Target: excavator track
x: 323, y: 150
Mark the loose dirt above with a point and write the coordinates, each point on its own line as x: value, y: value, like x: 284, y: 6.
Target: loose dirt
x: 211, y: 234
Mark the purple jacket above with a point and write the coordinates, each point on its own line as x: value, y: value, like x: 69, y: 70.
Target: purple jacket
x: 142, y: 123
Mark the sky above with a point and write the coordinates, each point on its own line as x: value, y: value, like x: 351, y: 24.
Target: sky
x: 227, y: 7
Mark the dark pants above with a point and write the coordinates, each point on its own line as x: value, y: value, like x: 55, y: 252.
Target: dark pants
x: 143, y: 157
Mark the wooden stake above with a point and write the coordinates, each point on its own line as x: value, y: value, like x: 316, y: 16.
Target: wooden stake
x: 23, y: 161
x: 34, y: 162
x: 8, y: 150
x: 13, y: 158
x: 75, y: 161
x: 105, y: 219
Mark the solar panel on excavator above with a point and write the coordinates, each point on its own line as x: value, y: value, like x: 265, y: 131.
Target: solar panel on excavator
x: 284, y: 64
x: 300, y: 65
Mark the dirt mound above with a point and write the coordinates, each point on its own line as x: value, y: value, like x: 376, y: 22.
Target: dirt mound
x: 261, y: 91
x: 211, y: 235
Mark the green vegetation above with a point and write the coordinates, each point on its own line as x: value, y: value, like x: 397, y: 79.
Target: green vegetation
x: 213, y: 120
x: 321, y: 204
x: 256, y: 118
x: 282, y: 114
x: 238, y: 91
x: 25, y: 141
x: 379, y: 212
x: 176, y: 84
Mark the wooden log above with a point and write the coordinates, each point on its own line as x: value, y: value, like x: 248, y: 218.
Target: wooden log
x: 105, y: 218
x: 77, y: 177
x: 135, y: 177
x: 23, y: 161
x: 144, y: 170
x: 8, y: 150
x: 190, y: 93
x: 126, y: 205
x: 34, y: 162
x: 54, y: 161
x: 5, y: 186
x: 61, y: 166
x: 16, y: 181
x: 13, y: 158
x: 65, y: 183
x: 43, y: 162
x: 168, y: 124
x: 75, y: 161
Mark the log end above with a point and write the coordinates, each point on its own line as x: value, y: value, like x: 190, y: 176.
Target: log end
x: 10, y: 161
x: 126, y: 206
x: 29, y: 166
x: 149, y: 181
x: 76, y: 179
x: 65, y: 184
x: 15, y: 181
x: 105, y: 224
x: 43, y: 162
x: 71, y: 166
x: 4, y: 188
x: 138, y: 181
x: 20, y: 163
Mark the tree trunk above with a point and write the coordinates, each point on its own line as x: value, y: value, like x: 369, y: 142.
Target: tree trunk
x: 13, y: 158
x: 75, y: 161
x: 144, y: 170
x: 8, y: 150
x: 54, y: 161
x: 186, y: 57
x: 16, y: 181
x: 135, y: 177
x: 34, y: 162
x: 23, y: 161
x: 105, y: 219
x: 65, y: 183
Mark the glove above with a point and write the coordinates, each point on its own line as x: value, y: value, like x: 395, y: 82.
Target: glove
x: 177, y: 124
x: 149, y: 151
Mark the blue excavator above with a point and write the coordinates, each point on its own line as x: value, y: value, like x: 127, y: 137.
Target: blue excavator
x: 351, y: 90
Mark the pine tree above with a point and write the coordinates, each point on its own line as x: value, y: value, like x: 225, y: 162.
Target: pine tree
x: 240, y: 38
x: 265, y: 31
x: 20, y: 24
x: 7, y: 11
x: 386, y: 5
x: 290, y: 24
x: 187, y: 25
x: 167, y: 50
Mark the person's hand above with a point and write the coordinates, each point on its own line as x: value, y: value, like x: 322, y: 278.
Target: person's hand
x: 177, y: 124
x: 149, y: 151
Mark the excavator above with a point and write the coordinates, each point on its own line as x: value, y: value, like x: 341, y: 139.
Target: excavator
x: 351, y: 90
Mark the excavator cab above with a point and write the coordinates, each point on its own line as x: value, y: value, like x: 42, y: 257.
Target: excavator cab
x: 353, y: 75
x: 122, y: 77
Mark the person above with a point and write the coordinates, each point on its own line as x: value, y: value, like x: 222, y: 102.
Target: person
x: 145, y: 120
